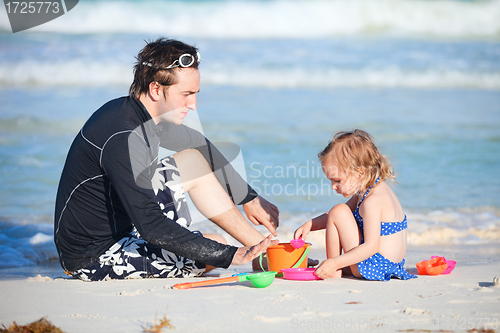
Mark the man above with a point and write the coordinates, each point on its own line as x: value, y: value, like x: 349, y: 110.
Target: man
x: 120, y: 213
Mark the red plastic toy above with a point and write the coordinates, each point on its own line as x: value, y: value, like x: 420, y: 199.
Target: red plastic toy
x: 435, y: 266
x: 450, y: 263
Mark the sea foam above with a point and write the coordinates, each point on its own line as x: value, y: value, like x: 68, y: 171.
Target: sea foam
x: 26, y: 245
x: 480, y: 225
x: 281, y: 19
x: 95, y: 74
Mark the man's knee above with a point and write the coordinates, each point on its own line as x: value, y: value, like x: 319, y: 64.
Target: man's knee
x: 216, y: 237
x: 191, y: 164
x: 191, y: 156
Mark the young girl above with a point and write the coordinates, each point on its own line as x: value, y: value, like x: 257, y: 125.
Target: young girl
x: 371, y: 227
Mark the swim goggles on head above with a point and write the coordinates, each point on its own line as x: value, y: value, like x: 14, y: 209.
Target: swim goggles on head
x: 185, y: 60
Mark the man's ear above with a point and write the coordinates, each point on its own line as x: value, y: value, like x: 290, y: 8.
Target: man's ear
x: 154, y: 91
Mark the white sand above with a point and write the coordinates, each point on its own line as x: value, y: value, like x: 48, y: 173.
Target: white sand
x: 457, y: 302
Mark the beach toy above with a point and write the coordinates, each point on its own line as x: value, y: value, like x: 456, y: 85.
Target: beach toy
x: 435, y: 266
x: 300, y: 274
x: 259, y: 280
x: 297, y: 243
x: 284, y: 255
x: 421, y: 268
x: 450, y: 263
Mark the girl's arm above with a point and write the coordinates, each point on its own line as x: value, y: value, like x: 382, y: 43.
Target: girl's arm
x: 371, y: 211
x: 317, y: 223
x: 352, y: 203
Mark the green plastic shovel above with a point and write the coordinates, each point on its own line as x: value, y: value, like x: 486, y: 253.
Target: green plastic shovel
x: 259, y: 280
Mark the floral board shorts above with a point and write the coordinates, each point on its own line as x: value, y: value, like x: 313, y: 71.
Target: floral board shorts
x: 134, y: 258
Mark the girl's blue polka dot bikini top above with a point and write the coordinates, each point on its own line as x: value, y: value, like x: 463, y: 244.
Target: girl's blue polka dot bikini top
x: 386, y: 228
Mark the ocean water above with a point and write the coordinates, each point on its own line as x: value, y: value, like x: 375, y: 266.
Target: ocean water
x: 279, y: 78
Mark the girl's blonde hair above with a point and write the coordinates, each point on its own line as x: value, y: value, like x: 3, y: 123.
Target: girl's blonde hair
x: 354, y: 152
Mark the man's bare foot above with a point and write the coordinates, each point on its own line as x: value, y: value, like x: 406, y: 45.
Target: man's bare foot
x: 256, y: 264
x: 312, y: 262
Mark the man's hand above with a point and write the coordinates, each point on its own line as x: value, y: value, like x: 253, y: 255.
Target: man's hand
x: 261, y: 211
x: 247, y: 253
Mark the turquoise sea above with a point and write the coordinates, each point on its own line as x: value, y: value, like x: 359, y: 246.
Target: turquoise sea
x: 279, y: 78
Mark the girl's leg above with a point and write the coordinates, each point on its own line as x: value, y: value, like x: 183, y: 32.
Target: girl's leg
x: 342, y: 233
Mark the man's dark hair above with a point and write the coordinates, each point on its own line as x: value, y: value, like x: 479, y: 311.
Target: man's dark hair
x: 152, y: 61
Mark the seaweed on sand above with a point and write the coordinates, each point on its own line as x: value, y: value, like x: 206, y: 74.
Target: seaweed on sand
x: 158, y: 327
x: 40, y: 326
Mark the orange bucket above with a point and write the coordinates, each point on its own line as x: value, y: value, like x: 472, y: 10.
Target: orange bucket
x: 284, y: 255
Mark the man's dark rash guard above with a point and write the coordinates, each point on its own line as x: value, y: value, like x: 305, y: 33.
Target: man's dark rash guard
x: 105, y: 188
